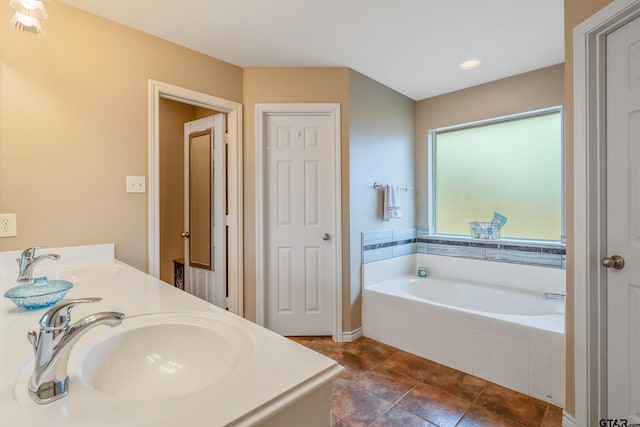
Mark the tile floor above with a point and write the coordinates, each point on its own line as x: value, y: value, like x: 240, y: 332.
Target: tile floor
x: 383, y: 386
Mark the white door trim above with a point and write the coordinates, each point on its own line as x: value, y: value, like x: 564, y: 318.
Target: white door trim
x: 233, y: 110
x: 262, y: 111
x: 590, y: 302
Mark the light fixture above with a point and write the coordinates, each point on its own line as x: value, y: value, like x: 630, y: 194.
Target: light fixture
x: 469, y: 65
x: 28, y: 15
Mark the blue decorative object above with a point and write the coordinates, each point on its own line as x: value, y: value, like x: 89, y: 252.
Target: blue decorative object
x: 38, y: 295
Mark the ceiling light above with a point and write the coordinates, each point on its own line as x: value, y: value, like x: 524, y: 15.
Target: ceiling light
x: 28, y: 15
x: 32, y: 8
x: 26, y: 23
x: 469, y: 65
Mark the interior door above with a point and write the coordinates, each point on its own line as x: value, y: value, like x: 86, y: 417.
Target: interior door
x: 623, y: 222
x: 205, y: 269
x: 299, y: 224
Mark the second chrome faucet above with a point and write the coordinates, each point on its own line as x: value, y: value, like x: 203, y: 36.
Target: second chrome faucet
x: 28, y: 261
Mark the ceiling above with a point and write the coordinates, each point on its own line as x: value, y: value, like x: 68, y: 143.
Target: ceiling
x: 412, y: 46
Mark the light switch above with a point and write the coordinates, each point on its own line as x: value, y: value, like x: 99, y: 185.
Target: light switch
x: 8, y: 225
x: 136, y: 184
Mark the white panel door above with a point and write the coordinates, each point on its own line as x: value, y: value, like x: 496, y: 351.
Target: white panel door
x: 209, y: 285
x: 300, y: 248
x: 623, y: 222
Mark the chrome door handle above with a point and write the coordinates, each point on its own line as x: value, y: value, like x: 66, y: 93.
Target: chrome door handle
x: 326, y: 236
x: 186, y: 235
x: 616, y: 261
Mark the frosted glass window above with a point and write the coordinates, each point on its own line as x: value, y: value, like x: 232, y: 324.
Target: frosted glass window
x: 512, y: 166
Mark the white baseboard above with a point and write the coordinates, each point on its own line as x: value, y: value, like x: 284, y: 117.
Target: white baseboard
x: 568, y: 420
x: 352, y: 336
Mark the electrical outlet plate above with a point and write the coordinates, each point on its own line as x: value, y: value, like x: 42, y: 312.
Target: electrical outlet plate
x: 136, y: 184
x: 8, y: 225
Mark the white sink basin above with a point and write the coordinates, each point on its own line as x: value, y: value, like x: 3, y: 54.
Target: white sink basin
x: 162, y: 356
x: 80, y: 274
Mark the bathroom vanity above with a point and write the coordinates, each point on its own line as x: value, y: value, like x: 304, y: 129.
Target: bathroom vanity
x: 174, y: 360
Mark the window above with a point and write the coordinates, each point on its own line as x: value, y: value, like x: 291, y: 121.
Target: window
x: 510, y: 165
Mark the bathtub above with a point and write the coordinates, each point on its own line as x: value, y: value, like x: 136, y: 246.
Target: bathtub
x: 494, y: 302
x: 511, y: 337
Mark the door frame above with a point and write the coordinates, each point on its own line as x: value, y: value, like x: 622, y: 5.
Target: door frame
x: 590, y: 314
x: 233, y: 110
x: 262, y: 112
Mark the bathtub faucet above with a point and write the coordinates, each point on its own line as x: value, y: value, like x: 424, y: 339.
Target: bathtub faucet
x: 554, y: 296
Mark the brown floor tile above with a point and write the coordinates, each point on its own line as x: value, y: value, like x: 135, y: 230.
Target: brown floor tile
x: 388, y: 384
x: 434, y: 405
x: 553, y: 417
x: 513, y: 405
x: 357, y: 406
x: 456, y: 382
x: 324, y: 347
x: 410, y: 365
x: 344, y: 379
x: 337, y: 422
x: 352, y: 362
x: 477, y: 416
x: 371, y: 350
x: 397, y: 417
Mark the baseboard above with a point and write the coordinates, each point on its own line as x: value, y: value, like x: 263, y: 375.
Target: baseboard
x: 568, y: 420
x: 352, y: 336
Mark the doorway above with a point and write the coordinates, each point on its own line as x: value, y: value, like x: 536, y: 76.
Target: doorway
x: 298, y: 215
x: 204, y: 202
x: 596, y: 187
x: 233, y: 110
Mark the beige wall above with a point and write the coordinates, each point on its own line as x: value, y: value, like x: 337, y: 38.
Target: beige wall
x: 575, y: 11
x: 381, y: 149
x: 525, y: 92
x: 73, y: 124
x: 271, y: 85
x: 173, y: 116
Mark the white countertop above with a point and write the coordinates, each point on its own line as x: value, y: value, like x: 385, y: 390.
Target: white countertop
x: 280, y: 371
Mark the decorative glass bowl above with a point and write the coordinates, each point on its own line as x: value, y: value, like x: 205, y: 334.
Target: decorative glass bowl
x: 38, y: 295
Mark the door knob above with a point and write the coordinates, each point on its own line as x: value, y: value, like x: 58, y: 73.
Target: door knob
x: 326, y: 236
x: 615, y: 261
x: 186, y: 235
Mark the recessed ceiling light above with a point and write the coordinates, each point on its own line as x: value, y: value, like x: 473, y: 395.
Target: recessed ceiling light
x: 470, y: 64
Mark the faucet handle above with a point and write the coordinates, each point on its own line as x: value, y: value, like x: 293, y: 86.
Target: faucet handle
x: 56, y: 318
x: 29, y: 253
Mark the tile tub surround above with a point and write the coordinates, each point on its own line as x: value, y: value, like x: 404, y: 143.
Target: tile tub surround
x: 387, y: 244
x: 525, y: 359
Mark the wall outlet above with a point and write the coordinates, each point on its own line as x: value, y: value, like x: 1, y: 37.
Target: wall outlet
x: 8, y: 226
x: 136, y: 184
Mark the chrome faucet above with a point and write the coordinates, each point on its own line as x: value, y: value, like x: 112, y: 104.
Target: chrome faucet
x: 28, y: 261
x: 554, y: 296
x: 53, y: 345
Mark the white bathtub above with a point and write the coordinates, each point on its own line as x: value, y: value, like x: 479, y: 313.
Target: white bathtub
x: 495, y: 302
x: 511, y: 337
